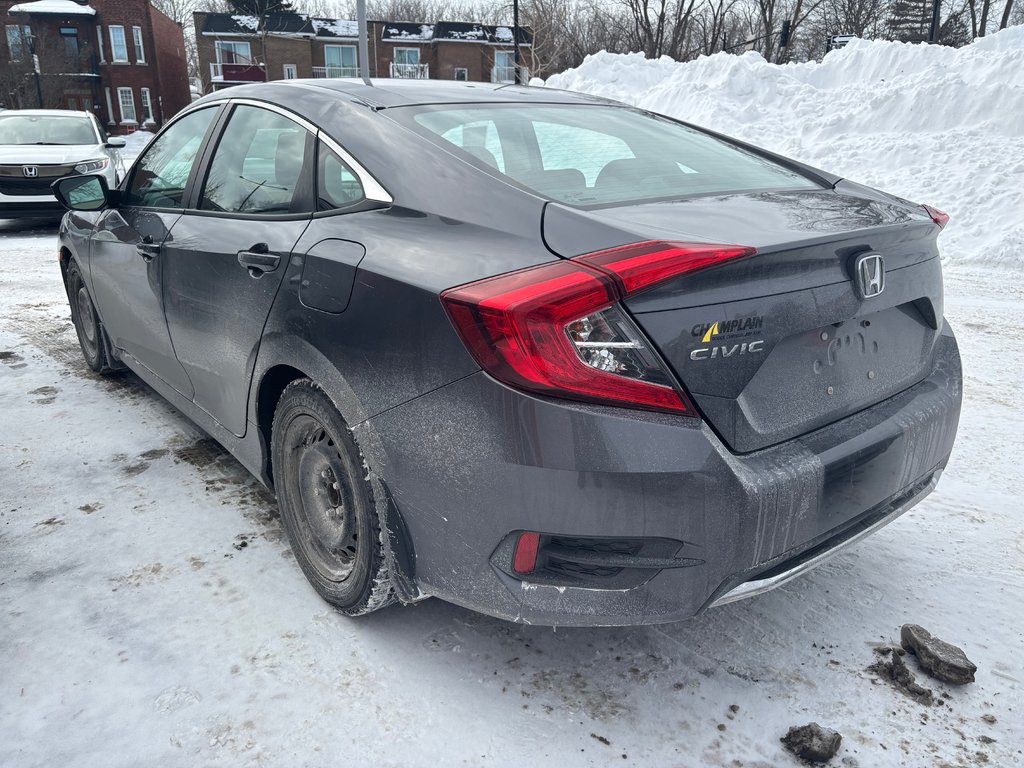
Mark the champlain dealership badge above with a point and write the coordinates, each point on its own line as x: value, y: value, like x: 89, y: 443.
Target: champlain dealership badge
x: 30, y: 171
x: 869, y: 275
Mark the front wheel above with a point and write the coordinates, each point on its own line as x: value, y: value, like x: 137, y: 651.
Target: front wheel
x: 327, y: 504
x: 87, y: 323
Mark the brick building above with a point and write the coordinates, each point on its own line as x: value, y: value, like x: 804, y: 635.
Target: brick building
x: 236, y: 49
x: 122, y: 59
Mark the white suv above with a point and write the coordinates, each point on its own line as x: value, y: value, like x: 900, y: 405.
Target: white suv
x: 38, y: 146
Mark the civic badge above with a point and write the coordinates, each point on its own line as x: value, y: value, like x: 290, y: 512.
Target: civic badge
x: 869, y: 275
x: 30, y: 171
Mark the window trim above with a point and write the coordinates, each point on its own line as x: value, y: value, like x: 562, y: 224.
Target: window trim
x: 99, y: 41
x: 140, y: 48
x: 461, y: 69
x: 293, y: 68
x: 113, y: 44
x: 110, y: 108
x: 371, y: 187
x: 120, y: 104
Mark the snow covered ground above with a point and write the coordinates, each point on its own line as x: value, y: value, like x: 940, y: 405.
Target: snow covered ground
x: 151, y: 614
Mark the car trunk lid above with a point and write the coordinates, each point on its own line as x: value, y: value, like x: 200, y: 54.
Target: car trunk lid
x: 784, y: 342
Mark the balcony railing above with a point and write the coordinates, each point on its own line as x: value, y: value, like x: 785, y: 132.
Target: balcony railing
x: 237, y: 73
x: 410, y: 71
x: 506, y: 74
x: 333, y: 71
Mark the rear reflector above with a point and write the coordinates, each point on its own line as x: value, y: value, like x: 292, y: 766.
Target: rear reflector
x: 939, y: 217
x: 525, y: 559
x: 557, y: 329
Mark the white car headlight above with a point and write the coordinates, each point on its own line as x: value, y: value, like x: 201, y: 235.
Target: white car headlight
x: 91, y: 166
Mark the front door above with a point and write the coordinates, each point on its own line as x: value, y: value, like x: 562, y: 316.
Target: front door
x: 125, y: 259
x: 224, y: 261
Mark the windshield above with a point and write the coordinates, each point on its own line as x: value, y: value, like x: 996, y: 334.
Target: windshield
x: 44, y: 129
x: 597, y: 155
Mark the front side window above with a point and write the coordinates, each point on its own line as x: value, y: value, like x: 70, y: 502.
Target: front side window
x: 338, y: 187
x: 118, y: 45
x: 597, y: 155
x: 140, y: 50
x: 159, y: 178
x: 258, y: 165
x: 126, y: 99
x: 41, y: 129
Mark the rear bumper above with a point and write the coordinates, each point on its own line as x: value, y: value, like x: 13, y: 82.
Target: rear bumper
x: 473, y: 462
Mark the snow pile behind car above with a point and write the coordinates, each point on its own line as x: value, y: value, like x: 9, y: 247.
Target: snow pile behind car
x: 935, y: 125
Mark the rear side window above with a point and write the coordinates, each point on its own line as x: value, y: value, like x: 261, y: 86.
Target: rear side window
x: 596, y: 155
x: 338, y: 187
x: 258, y: 166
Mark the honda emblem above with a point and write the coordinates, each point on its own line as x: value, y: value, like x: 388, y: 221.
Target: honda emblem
x: 30, y: 171
x: 869, y: 275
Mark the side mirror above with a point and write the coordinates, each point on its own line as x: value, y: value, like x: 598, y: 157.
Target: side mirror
x: 116, y: 142
x: 82, y: 193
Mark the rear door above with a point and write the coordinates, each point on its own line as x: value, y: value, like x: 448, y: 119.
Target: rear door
x: 226, y: 255
x: 126, y: 263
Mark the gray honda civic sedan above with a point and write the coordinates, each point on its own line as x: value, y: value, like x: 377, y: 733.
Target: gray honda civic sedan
x: 543, y: 355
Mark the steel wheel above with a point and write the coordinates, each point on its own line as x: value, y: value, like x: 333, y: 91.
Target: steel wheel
x: 327, y: 505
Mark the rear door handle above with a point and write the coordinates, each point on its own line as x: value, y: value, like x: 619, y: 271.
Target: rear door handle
x: 259, y: 261
x: 147, y: 249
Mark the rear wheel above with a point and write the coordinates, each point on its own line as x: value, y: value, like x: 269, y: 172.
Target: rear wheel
x: 327, y: 505
x: 87, y: 323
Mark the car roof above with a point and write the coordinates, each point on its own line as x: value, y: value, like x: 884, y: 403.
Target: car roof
x: 398, y: 93
x: 47, y: 112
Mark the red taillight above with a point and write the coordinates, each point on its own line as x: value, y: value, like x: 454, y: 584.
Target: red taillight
x: 525, y: 558
x: 939, y: 217
x: 556, y: 330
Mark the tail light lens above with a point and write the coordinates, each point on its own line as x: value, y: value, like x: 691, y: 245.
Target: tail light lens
x: 939, y: 217
x: 557, y: 329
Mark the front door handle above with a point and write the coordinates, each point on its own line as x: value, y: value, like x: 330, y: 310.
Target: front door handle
x: 147, y: 249
x: 259, y: 260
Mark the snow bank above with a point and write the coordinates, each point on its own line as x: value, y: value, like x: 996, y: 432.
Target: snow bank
x: 933, y: 124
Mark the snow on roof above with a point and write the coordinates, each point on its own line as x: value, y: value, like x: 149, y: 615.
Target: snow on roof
x: 419, y: 32
x: 503, y: 34
x: 336, y: 27
x: 57, y: 7
x: 248, y: 22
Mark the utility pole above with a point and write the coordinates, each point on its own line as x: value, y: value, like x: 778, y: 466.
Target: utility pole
x: 933, y: 31
x: 364, y: 44
x: 515, y: 37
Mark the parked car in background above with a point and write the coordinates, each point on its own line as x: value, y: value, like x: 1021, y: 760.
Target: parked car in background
x: 39, y: 146
x: 552, y: 358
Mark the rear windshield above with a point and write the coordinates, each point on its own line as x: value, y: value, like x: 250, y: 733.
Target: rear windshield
x: 597, y: 155
x: 46, y: 129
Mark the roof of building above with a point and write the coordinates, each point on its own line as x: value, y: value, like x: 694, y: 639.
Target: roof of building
x: 299, y: 24
x: 54, y: 7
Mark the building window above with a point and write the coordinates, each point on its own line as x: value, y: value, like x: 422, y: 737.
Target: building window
x: 140, y: 50
x: 341, y: 61
x: 407, y: 56
x: 118, y: 44
x: 461, y: 73
x: 17, y: 41
x: 147, y: 107
x: 99, y: 39
x: 126, y: 98
x: 290, y: 72
x: 233, y: 53
x: 110, y: 108
x: 504, y: 67
x: 69, y: 35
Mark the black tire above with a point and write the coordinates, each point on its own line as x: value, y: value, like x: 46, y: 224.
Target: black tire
x: 327, y: 504
x: 91, y: 336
